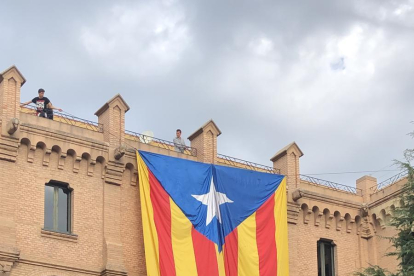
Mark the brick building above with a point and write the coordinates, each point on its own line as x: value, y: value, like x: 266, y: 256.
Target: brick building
x: 70, y: 201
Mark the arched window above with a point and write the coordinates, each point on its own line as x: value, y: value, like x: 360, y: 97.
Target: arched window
x: 326, y: 258
x: 58, y: 207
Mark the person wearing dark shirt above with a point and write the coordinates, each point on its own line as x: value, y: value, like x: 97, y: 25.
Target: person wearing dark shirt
x: 44, y: 107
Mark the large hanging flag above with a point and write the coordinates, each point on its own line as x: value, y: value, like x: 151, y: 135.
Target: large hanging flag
x: 208, y: 220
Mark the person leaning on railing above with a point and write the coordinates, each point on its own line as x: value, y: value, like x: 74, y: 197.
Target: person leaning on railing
x: 179, y: 142
x: 44, y: 107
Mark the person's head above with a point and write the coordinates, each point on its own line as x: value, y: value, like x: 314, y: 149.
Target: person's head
x: 41, y: 92
x: 178, y: 133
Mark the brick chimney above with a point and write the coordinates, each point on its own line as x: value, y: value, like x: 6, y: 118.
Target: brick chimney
x: 112, y: 116
x: 204, y: 140
x: 287, y: 160
x: 10, y: 82
x: 366, y: 184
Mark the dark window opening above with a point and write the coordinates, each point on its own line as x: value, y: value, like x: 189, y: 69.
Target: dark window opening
x: 326, y: 258
x: 58, y: 207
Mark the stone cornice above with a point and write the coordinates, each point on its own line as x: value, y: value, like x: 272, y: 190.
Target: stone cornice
x: 9, y: 256
x: 301, y: 193
x: 64, y: 137
x: 391, y: 196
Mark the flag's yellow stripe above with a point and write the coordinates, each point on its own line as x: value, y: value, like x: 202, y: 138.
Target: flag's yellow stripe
x: 182, y: 243
x: 148, y: 224
x: 248, y: 257
x: 220, y: 261
x: 281, y: 230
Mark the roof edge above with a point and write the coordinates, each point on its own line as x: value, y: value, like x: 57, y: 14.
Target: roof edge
x: 10, y: 68
x: 106, y: 105
x: 201, y: 129
x: 284, y: 150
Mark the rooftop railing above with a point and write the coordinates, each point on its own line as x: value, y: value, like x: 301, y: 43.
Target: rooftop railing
x: 68, y: 119
x: 240, y: 163
x: 393, y: 179
x: 330, y: 184
x: 157, y: 142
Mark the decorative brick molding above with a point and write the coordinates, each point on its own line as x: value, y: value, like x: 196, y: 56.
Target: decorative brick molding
x: 114, y: 171
x: 12, y: 126
x: 8, y: 148
x: 109, y: 272
x: 7, y: 260
x: 292, y: 212
x: 46, y: 157
x: 5, y: 268
x: 59, y: 236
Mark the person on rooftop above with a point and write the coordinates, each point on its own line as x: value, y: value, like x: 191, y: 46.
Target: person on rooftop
x: 179, y: 142
x: 44, y: 107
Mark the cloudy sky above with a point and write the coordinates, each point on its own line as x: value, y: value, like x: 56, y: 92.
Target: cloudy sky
x: 337, y: 77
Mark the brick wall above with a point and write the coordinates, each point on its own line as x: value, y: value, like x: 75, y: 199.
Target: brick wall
x: 96, y: 206
x: 106, y: 207
x: 85, y: 252
x: 132, y: 238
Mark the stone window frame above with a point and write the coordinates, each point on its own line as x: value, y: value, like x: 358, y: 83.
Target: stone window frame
x: 321, y: 252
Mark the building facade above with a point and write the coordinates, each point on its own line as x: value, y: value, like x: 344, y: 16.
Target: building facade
x: 70, y: 199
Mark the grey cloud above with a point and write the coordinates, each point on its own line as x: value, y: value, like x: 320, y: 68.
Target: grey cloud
x: 260, y: 69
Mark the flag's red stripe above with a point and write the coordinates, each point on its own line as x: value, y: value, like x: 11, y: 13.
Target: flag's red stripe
x: 162, y: 218
x: 205, y: 254
x: 231, y: 253
x: 265, y: 237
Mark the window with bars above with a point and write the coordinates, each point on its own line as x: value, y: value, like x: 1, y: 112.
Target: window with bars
x: 326, y: 258
x: 58, y: 207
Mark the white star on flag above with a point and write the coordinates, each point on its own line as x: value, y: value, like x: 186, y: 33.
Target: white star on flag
x: 213, y: 200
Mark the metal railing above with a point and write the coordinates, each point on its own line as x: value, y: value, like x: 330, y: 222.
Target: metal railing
x: 239, y: 163
x: 330, y: 184
x: 393, y: 179
x: 69, y: 119
x: 157, y: 142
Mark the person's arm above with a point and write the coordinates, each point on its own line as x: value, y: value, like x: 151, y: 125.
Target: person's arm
x: 50, y: 105
x: 26, y: 103
x: 182, y: 145
x: 176, y: 142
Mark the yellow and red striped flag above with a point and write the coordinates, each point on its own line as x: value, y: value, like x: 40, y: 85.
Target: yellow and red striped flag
x: 207, y: 220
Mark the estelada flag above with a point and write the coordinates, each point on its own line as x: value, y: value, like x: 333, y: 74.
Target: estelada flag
x: 202, y: 219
